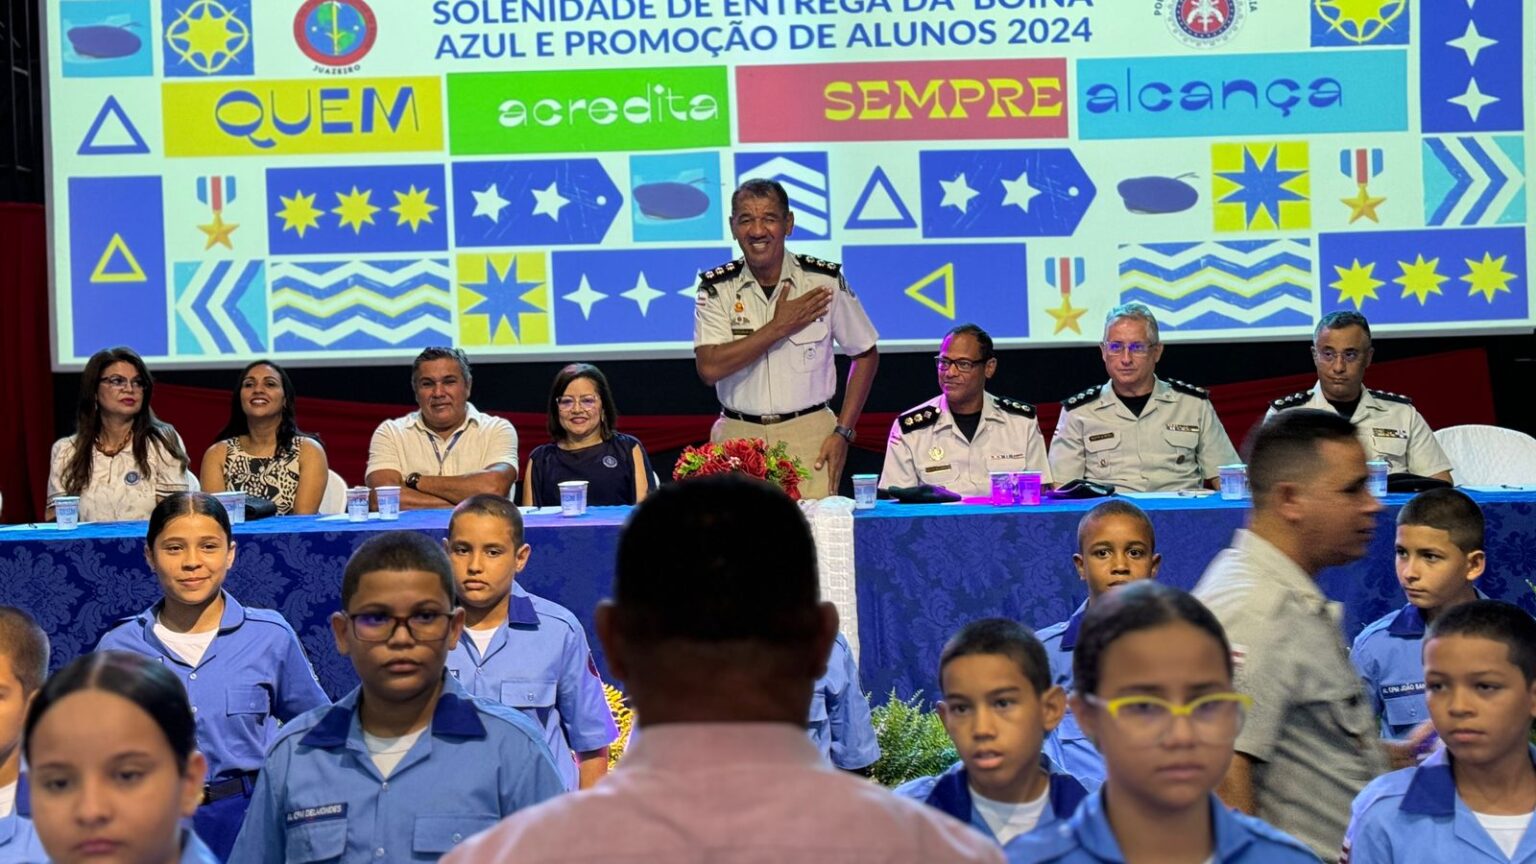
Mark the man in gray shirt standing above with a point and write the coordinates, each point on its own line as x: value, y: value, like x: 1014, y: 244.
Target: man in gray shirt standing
x: 1309, y: 744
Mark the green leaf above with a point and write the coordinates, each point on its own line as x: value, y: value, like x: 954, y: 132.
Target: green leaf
x: 913, y: 742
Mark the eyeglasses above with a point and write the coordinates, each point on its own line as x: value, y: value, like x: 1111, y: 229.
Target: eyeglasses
x: 1350, y: 356
x: 118, y: 382
x: 569, y: 403
x: 1137, y: 349
x: 961, y: 363
x: 1216, y: 718
x: 378, y: 627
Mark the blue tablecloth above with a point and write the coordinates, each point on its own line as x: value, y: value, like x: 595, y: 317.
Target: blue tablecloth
x: 923, y: 570
x: 79, y: 583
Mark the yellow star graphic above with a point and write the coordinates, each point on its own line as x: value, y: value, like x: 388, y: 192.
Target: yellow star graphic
x: 218, y: 231
x: 1356, y: 283
x: 1420, y: 278
x: 1362, y: 205
x: 299, y: 213
x: 1487, y: 276
x: 1066, y: 316
x: 412, y: 207
x: 354, y: 209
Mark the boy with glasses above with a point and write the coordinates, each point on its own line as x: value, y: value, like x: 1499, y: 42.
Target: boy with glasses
x: 957, y: 439
x: 409, y: 764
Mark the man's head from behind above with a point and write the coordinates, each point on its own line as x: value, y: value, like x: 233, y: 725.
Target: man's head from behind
x: 715, y: 615
x: 1307, y: 472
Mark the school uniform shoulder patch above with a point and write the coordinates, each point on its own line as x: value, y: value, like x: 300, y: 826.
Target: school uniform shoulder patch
x: 1014, y: 406
x: 1292, y: 401
x: 1188, y: 389
x: 919, y: 418
x: 1077, y: 400
x: 1391, y: 397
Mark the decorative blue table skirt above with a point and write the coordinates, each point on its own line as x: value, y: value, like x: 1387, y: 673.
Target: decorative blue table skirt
x: 921, y: 572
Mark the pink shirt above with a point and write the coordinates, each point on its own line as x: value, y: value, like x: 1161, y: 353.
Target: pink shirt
x: 728, y: 793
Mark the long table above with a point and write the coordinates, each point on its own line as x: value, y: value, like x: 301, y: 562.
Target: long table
x: 921, y: 571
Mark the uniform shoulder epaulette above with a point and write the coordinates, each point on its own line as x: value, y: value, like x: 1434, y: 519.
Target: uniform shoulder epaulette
x: 918, y: 418
x: 1014, y: 406
x: 1291, y: 401
x: 1391, y: 397
x: 1188, y: 389
x: 1078, y: 399
x: 714, y: 276
x: 819, y: 265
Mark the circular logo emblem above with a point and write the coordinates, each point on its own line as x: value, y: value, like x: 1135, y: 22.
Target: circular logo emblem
x: 610, y: 461
x: 335, y: 32
x: 131, y: 478
x: 1203, y: 23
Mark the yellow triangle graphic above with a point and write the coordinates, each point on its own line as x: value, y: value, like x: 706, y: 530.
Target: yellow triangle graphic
x: 947, y: 273
x: 135, y: 273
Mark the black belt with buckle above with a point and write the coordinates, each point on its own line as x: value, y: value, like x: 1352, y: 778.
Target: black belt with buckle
x: 240, y: 784
x: 770, y: 419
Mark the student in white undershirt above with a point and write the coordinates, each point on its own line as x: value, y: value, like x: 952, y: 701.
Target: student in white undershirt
x: 23, y: 666
x: 1472, y: 800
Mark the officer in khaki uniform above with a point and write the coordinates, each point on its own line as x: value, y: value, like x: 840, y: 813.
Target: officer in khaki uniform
x: 763, y: 332
x: 957, y: 439
x: 1140, y: 432
x: 1388, y: 425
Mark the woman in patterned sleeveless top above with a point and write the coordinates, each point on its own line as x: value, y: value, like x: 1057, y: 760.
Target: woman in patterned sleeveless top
x: 261, y: 451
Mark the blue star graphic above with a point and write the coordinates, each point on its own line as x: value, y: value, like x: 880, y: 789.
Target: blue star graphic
x: 1262, y: 187
x: 503, y: 296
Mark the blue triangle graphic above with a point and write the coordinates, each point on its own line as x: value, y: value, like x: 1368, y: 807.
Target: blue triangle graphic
x: 856, y: 219
x: 89, y: 147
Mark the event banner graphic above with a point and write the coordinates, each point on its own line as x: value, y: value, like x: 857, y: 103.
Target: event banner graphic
x: 345, y: 180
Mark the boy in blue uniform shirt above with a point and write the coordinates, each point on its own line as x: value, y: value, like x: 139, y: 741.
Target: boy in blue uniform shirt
x: 840, y: 723
x: 407, y: 765
x: 23, y: 666
x: 1439, y: 553
x: 1115, y: 545
x: 998, y: 706
x: 520, y: 649
x: 1471, y: 800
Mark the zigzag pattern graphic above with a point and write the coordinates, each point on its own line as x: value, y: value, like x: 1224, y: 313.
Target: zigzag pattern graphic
x: 1474, y: 180
x: 1203, y: 286
x: 221, y: 309
x: 361, y: 304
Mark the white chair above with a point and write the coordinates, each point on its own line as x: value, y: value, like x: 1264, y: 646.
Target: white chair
x: 1488, y: 455
x: 334, y: 500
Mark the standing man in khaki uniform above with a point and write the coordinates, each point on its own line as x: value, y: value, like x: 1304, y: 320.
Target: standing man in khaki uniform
x: 957, y: 439
x: 1139, y: 432
x: 1390, y: 428
x: 763, y: 330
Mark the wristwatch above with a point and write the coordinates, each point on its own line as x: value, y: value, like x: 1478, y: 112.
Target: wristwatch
x: 844, y: 431
x: 412, y: 478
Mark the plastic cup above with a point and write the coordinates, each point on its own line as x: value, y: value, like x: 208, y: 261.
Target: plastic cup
x: 1026, y: 487
x: 357, y: 504
x: 573, y: 497
x: 1379, y: 470
x: 864, y: 491
x: 389, y: 502
x: 1234, y: 482
x: 66, y: 512
x: 1002, y: 488
x: 234, y: 505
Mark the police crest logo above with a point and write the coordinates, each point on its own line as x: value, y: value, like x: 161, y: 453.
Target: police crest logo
x: 1202, y: 23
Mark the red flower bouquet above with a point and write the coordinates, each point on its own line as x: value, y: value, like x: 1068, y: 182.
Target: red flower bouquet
x: 750, y: 456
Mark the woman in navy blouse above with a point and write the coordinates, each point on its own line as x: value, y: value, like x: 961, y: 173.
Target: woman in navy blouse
x: 586, y: 445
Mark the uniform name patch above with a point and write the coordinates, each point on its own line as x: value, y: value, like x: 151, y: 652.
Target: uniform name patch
x: 317, y: 814
x: 933, y: 468
x: 1006, y: 456
x: 736, y: 331
x: 1179, y: 427
x: 1401, y: 434
x: 1101, y: 436
x: 1390, y: 690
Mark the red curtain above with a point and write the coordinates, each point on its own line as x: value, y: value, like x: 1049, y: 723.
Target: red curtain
x: 26, y: 387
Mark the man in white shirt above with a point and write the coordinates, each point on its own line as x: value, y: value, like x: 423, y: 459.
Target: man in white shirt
x: 446, y: 450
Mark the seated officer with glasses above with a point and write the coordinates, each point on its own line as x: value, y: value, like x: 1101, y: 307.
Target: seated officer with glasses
x: 408, y: 765
x: 1140, y: 432
x: 1390, y: 428
x: 959, y: 437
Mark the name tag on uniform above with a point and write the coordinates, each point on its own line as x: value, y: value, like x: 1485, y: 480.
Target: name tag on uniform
x: 1101, y: 436
x: 1180, y: 427
x: 1389, y: 691
x: 322, y: 813
x: 1006, y: 456
x: 935, y: 468
x: 1400, y: 434
x: 742, y: 331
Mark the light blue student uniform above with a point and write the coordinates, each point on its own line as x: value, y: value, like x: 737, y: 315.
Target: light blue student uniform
x: 1414, y: 814
x: 839, y: 723
x: 253, y: 674
x: 321, y: 798
x: 541, y: 665
x: 1067, y: 746
x: 950, y: 792
x: 18, y: 841
x: 195, y: 851
x: 1086, y: 838
x: 1389, y: 654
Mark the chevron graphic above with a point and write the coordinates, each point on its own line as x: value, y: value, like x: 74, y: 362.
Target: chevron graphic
x: 1221, y: 285
x: 330, y: 305
x: 805, y: 179
x: 221, y: 307
x: 1474, y: 180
